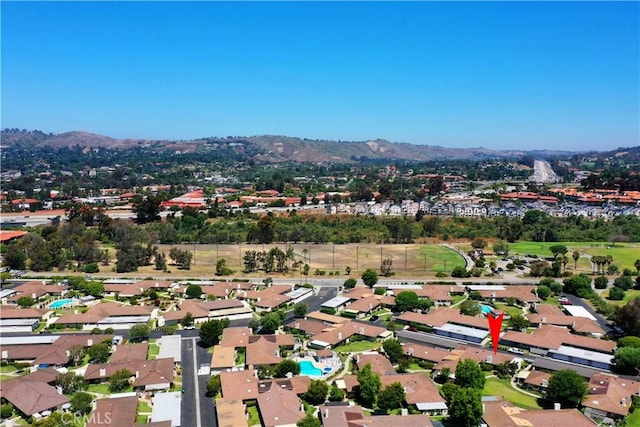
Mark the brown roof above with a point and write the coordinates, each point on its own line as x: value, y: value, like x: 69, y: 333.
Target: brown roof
x: 263, y: 351
x: 239, y: 385
x: 51, y: 354
x: 130, y: 352
x: 187, y: 306
x: 441, y: 316
x: 12, y: 312
x: 504, y: 414
x: 235, y: 337
x: 280, y: 407
x: 272, y: 301
x: 424, y: 352
x: 298, y: 384
x: 552, y: 315
x: 414, y: 420
x: 519, y: 292
x: 419, y: 387
x: 347, y: 329
x: 309, y: 326
x: 611, y: 394
x: 221, y: 304
x: 536, y: 378
x: 31, y: 397
x: 379, y: 363
x: 38, y: 289
x: 364, y: 305
x: 102, y: 311
x: 149, y: 372
x: 119, y: 412
x: 328, y: 318
x: 551, y: 337
x: 223, y: 357
x: 339, y: 416
x: 434, y: 292
x: 357, y: 293
x: 477, y: 354
x: 230, y: 413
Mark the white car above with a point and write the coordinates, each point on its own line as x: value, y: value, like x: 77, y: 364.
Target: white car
x: 516, y: 350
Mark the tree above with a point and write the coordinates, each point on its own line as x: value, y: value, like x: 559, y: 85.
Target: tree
x: 26, y: 301
x: 616, y: 294
x: 300, y: 309
x: 636, y: 264
x: 119, y: 380
x: 627, y: 317
x: 139, y: 333
x: 543, y: 292
x: 501, y: 248
x: 187, y: 320
x: 600, y: 282
x: 309, y: 421
x: 478, y: 243
x: 160, y: 261
x: 567, y: 387
x: 95, y: 289
x: 335, y: 394
x: 386, y: 267
x: 317, y: 392
x: 286, y: 366
x: 629, y: 341
x: 6, y: 411
x: 623, y: 282
x: 538, y: 268
x: 211, y: 330
x: 370, y: 277
x: 213, y: 385
x: 76, y: 354
x: 193, y: 291
x: 470, y: 308
x: 81, y: 402
x: 578, y: 285
x: 392, y: 396
x: 70, y: 382
x: 99, y: 353
x: 370, y: 386
x: 460, y: 271
x: 576, y: 256
x: 465, y: 407
x: 469, y: 374
x: 350, y: 283
x: 627, y: 360
x: 407, y: 301
x: 518, y: 322
x: 270, y: 323
x: 221, y: 268
x: 393, y: 349
x: 147, y: 209
x: 558, y: 250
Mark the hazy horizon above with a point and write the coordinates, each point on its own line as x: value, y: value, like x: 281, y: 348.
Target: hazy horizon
x: 498, y: 75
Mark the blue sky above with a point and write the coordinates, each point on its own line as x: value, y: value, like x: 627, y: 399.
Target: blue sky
x: 558, y: 75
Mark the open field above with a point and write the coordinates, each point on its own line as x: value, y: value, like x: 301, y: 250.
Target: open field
x: 411, y: 260
x: 629, y: 295
x: 624, y: 254
x: 502, y: 389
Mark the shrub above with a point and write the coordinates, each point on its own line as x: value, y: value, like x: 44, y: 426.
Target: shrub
x: 92, y: 267
x: 6, y: 410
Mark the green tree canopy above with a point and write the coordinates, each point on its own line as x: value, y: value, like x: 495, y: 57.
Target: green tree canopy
x: 465, y: 407
x: 627, y: 360
x: 139, y: 333
x: 392, y: 396
x: 214, y: 385
x: 567, y: 387
x: 470, y: 307
x: 628, y: 317
x: 407, y: 301
x: 119, y: 380
x: 300, y: 309
x: 81, y: 402
x: 211, y: 330
x: 629, y: 341
x: 317, y: 392
x: 99, y: 353
x: 309, y: 421
x: 350, y: 283
x: 270, y: 323
x: 393, y: 349
x: 193, y: 291
x: 469, y: 374
x: 286, y: 366
x: 518, y: 322
x: 558, y: 250
x: 370, y: 277
x: 369, y: 386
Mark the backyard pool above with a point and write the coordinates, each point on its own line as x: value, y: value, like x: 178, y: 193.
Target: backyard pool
x: 307, y: 368
x: 61, y: 303
x: 486, y: 309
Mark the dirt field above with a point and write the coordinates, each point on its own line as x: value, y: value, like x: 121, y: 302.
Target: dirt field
x: 409, y: 261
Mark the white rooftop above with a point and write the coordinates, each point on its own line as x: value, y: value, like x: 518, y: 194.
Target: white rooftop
x: 486, y: 288
x: 170, y: 346
x: 119, y: 282
x: 297, y: 293
x: 578, y: 311
x: 126, y: 319
x: 35, y: 339
x: 18, y: 322
x: 7, y: 292
x: 335, y: 302
x: 463, y: 330
x: 594, y: 356
x: 166, y: 407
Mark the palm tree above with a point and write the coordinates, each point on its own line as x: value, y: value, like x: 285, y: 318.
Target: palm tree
x: 564, y: 260
x: 576, y: 256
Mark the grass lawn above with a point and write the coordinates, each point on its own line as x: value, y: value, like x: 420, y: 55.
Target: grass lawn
x: 254, y: 417
x: 502, y: 388
x: 628, y: 296
x: 154, y: 350
x: 99, y: 388
x: 141, y: 419
x: 143, y: 407
x: 509, y: 309
x: 6, y: 377
x: 457, y: 298
x: 633, y: 419
x: 241, y: 358
x: 436, y: 258
x: 357, y: 346
x: 7, y: 369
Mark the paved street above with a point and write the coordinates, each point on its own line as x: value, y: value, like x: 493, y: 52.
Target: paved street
x: 197, y: 408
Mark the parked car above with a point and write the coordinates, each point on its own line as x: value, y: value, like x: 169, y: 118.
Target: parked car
x: 190, y: 327
x: 516, y: 350
x: 564, y: 301
x: 373, y: 318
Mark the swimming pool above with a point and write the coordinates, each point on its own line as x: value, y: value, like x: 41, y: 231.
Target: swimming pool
x: 307, y: 368
x: 61, y: 303
x: 486, y: 309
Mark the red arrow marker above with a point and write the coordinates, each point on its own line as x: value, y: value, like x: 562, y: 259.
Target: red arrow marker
x: 495, y: 324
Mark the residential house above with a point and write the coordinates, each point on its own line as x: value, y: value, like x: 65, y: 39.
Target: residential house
x: 157, y: 374
x: 119, y: 411
x: 37, y: 290
x: 32, y: 394
x: 379, y: 363
x: 203, y: 311
x: 353, y: 416
x: 48, y: 350
x: 503, y: 414
x: 537, y: 380
x: 239, y: 385
x: 424, y: 352
x: 477, y: 354
x: 450, y: 323
x: 222, y: 359
x: 230, y: 413
x: 546, y: 314
x: 343, y: 332
x: 280, y: 407
x: 609, y: 397
x: 108, y: 315
x: 14, y: 319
